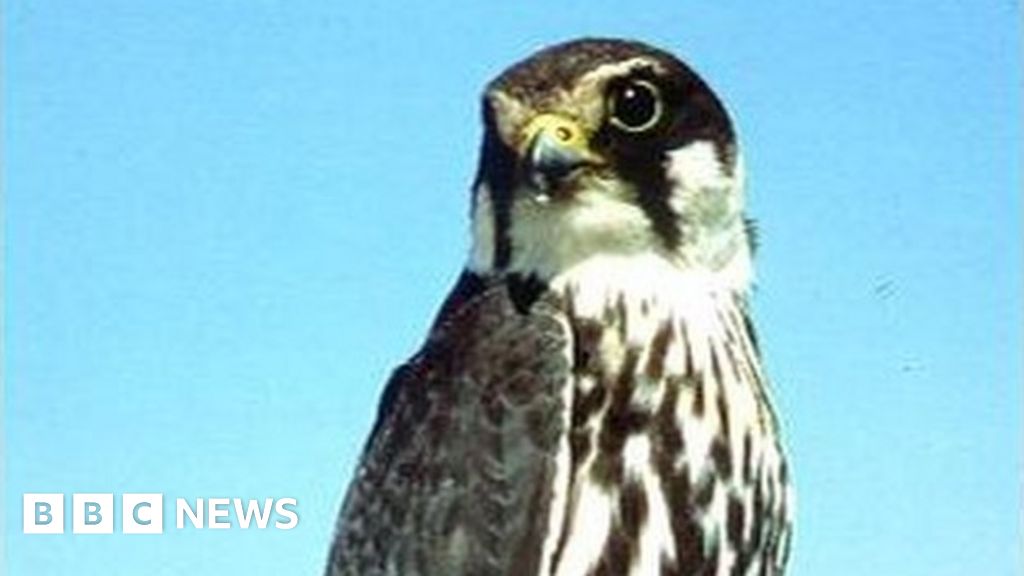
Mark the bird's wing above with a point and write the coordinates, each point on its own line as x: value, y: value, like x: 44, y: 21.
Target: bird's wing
x: 459, y: 474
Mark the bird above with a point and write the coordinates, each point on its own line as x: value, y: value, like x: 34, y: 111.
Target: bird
x: 590, y: 398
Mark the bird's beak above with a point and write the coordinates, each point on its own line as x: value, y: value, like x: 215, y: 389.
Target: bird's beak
x: 555, y: 146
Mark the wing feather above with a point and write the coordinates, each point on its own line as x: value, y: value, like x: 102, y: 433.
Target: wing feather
x: 457, y: 477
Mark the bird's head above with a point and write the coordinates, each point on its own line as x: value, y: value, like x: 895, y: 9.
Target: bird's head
x: 606, y: 148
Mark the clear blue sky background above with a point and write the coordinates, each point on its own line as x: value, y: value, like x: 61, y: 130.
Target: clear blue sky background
x: 227, y: 221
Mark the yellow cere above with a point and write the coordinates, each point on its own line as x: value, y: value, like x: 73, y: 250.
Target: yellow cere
x: 565, y: 130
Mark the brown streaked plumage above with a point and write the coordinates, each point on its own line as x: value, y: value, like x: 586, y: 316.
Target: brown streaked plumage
x: 590, y: 399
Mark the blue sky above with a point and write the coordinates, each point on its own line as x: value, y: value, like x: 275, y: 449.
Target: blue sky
x: 225, y: 222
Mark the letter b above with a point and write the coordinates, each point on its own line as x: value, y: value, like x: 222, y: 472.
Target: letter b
x: 92, y: 514
x: 43, y: 514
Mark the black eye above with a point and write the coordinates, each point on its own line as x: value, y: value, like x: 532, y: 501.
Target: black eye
x: 635, y: 105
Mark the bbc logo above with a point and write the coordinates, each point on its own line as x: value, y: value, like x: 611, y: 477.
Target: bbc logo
x: 93, y: 513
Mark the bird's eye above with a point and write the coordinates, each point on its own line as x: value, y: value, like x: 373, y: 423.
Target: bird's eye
x: 634, y: 106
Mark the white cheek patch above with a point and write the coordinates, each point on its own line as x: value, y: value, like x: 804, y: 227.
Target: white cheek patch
x: 703, y: 192
x: 709, y: 199
x: 697, y: 167
x: 481, y: 255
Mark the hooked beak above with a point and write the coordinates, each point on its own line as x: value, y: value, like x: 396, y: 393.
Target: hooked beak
x: 555, y: 147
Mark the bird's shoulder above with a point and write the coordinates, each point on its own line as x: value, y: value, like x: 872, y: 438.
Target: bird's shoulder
x: 466, y: 438
x: 483, y: 333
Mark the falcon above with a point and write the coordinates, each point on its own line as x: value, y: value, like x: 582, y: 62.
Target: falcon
x: 590, y: 399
